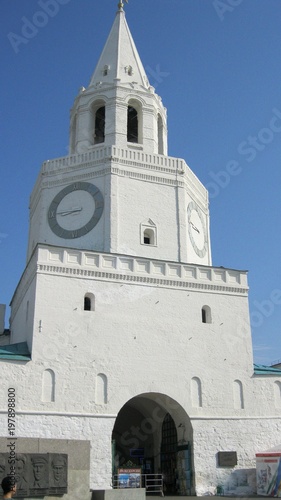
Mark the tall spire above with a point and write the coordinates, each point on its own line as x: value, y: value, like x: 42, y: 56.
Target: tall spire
x: 120, y: 59
x: 119, y: 107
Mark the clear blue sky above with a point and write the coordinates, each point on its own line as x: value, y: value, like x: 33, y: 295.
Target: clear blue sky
x: 216, y: 65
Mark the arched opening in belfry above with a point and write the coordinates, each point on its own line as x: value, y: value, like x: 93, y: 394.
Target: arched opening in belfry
x: 99, y: 125
x: 96, y: 131
x: 160, y: 129
x: 153, y: 435
x: 132, y: 125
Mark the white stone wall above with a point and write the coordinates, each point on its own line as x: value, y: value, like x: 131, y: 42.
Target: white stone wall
x: 246, y: 436
x: 143, y: 327
x: 145, y: 336
x: 23, y: 306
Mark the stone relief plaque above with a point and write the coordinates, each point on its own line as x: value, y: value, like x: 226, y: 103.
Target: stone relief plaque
x: 57, y: 474
x: 21, y: 475
x: 2, y: 466
x: 37, y: 474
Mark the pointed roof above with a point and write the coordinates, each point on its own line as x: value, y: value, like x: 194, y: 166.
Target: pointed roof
x: 120, y: 58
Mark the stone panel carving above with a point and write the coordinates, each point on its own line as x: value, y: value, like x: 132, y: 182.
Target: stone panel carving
x: 57, y: 474
x: 37, y: 474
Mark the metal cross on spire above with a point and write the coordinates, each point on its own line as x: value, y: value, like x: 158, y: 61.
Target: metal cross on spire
x: 121, y: 4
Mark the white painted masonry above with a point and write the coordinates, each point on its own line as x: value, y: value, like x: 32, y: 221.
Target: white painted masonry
x: 161, y: 331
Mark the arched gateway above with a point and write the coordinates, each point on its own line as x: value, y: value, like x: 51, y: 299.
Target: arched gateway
x: 152, y: 432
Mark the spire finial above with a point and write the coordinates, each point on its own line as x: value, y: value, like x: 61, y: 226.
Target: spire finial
x: 121, y: 4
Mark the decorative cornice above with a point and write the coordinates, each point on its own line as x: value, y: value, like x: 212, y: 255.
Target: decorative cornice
x: 138, y: 270
x: 97, y: 155
x: 166, y: 283
x: 72, y: 414
x: 124, y: 162
x: 145, y: 177
x: 61, y: 414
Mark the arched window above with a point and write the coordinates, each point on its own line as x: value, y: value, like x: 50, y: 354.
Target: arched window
x: 206, y: 314
x: 105, y: 70
x: 48, y: 386
x: 238, y: 396
x: 148, y: 233
x: 196, y: 392
x: 132, y: 125
x: 129, y: 70
x: 99, y: 125
x: 89, y: 302
x: 277, y: 394
x: 101, y: 389
x: 96, y: 132
x: 160, y: 135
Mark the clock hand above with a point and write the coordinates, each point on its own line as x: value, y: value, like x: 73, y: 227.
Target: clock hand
x: 194, y: 227
x: 68, y: 212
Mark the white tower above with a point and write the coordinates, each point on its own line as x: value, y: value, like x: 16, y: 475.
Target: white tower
x: 118, y: 191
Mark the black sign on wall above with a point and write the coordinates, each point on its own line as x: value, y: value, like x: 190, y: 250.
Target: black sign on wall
x: 227, y: 458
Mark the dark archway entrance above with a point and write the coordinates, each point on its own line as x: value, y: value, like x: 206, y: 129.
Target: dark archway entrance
x: 169, y: 443
x: 153, y: 432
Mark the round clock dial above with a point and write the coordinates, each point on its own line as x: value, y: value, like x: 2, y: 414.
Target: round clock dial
x: 196, y: 229
x: 75, y: 210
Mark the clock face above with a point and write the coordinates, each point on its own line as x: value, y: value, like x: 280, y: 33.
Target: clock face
x: 75, y: 210
x: 196, y: 229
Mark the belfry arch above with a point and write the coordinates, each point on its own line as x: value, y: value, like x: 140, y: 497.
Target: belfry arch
x: 153, y: 432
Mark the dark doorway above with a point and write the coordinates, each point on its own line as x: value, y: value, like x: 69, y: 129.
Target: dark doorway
x: 169, y: 454
x: 153, y: 433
